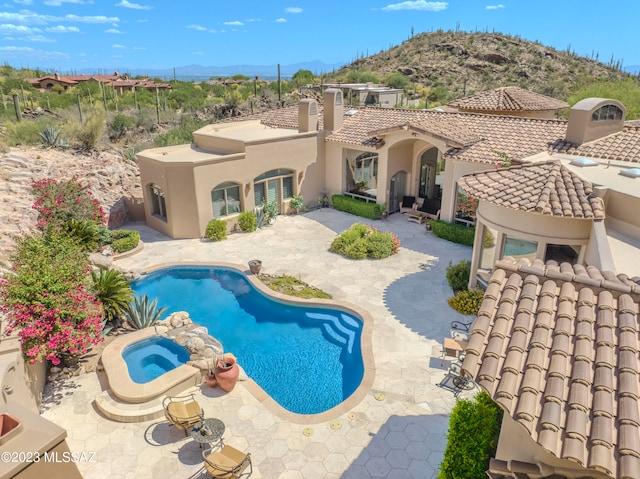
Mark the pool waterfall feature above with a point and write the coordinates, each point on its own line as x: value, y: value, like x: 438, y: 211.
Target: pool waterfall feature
x: 339, y: 331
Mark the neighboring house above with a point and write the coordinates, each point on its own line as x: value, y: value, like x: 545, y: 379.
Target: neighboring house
x: 121, y: 82
x: 509, y: 100
x: 556, y: 346
x: 367, y: 94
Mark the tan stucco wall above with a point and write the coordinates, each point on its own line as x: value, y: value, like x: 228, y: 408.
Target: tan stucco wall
x: 622, y: 211
x: 456, y: 169
x: 188, y: 184
x: 516, y: 444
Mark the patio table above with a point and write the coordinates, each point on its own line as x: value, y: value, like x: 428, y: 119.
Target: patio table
x: 208, y: 432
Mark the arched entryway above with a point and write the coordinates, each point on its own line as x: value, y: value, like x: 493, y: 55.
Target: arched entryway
x: 427, y: 187
x: 397, y: 189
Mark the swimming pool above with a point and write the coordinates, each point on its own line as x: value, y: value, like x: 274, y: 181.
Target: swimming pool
x: 308, y: 358
x: 152, y: 357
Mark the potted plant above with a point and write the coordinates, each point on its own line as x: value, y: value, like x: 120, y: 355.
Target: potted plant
x: 227, y: 372
x: 255, y: 265
x: 297, y: 202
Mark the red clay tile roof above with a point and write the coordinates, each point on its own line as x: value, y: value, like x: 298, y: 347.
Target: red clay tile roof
x: 481, y: 135
x: 547, y: 188
x: 624, y: 146
x: 557, y: 348
x: 517, y: 137
x: 508, y: 99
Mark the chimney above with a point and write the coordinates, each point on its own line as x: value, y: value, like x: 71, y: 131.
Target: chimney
x: 57, y: 76
x: 307, y: 115
x: 333, y: 109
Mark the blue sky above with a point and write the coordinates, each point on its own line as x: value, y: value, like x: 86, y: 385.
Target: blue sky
x: 123, y: 34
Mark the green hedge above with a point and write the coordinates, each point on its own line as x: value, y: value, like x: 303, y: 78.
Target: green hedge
x: 373, y: 211
x: 453, y: 232
x: 474, y: 427
x: 124, y: 240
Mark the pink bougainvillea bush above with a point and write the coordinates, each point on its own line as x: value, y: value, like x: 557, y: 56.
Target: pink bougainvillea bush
x: 58, y: 202
x: 47, y: 301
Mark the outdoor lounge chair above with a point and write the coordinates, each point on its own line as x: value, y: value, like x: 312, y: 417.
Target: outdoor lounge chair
x: 408, y: 204
x: 227, y: 463
x: 184, y: 412
x: 430, y: 209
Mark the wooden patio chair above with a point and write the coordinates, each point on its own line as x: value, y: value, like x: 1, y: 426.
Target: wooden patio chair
x: 227, y: 463
x: 184, y: 412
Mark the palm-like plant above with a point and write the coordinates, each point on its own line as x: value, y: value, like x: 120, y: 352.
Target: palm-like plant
x: 85, y: 232
x: 112, y: 289
x: 141, y: 314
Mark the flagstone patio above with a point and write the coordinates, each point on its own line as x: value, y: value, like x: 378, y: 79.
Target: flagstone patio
x: 401, y: 436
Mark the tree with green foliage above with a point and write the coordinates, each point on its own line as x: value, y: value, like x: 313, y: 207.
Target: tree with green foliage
x: 625, y: 91
x: 397, y: 80
x: 302, y: 77
x: 474, y: 427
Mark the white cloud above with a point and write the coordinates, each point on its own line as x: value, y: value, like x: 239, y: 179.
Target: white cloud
x: 94, y: 19
x: 23, y: 2
x: 143, y: 20
x: 196, y: 53
x: 58, y: 3
x: 293, y: 10
x: 250, y: 20
x: 112, y: 30
x: 23, y: 53
x: 139, y: 48
x: 117, y: 45
x: 38, y: 38
x: 494, y: 7
x: 200, y: 28
x: 135, y: 6
x: 235, y: 22
x: 417, y: 5
x: 281, y: 20
x: 62, y: 29
x: 213, y: 31
x: 17, y: 29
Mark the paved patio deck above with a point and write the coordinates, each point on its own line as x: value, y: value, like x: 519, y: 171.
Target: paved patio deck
x: 402, y: 436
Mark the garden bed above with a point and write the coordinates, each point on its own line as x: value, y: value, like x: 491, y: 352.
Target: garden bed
x: 291, y: 286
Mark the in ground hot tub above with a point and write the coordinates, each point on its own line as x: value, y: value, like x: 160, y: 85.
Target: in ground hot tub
x: 152, y: 357
x: 142, y: 366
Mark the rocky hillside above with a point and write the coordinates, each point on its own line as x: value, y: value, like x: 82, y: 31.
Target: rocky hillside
x: 481, y: 61
x: 110, y: 176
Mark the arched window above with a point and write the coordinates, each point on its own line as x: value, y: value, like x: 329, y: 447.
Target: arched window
x: 158, y: 204
x: 275, y: 185
x: 225, y: 199
x: 607, y: 112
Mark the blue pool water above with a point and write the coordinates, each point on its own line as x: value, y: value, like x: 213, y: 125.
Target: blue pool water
x: 152, y: 357
x: 518, y: 247
x: 308, y: 359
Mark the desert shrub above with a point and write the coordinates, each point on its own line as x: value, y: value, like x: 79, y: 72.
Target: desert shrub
x: 458, y: 275
x: 52, y: 138
x: 474, y: 427
x: 141, y: 313
x: 362, y: 241
x: 46, y: 299
x: 25, y: 132
x: 372, y: 211
x: 269, y: 211
x: 467, y: 302
x: 124, y: 240
x: 216, y: 230
x: 247, y: 221
x: 119, y: 125
x: 453, y: 232
x: 89, y: 133
x: 182, y: 134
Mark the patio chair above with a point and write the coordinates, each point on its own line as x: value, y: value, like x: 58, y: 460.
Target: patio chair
x: 430, y: 209
x: 227, y: 463
x: 408, y: 204
x: 184, y: 412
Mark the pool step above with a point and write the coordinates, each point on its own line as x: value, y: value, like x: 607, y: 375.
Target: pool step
x: 116, y: 410
x: 341, y: 329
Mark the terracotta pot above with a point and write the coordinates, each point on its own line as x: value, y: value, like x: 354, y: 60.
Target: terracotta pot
x: 255, y: 265
x: 211, y: 380
x: 227, y: 372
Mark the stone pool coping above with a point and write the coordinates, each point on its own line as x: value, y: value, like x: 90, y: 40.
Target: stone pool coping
x: 125, y: 389
x: 260, y: 394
